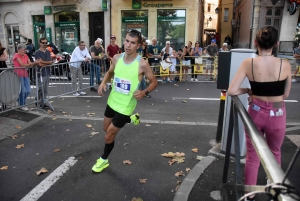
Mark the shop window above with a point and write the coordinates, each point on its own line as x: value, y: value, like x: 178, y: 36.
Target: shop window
x: 269, y: 12
x: 277, y: 12
x: 171, y: 27
x: 135, y: 20
x: 13, y: 34
x: 208, y: 7
x: 38, y: 28
x: 273, y: 17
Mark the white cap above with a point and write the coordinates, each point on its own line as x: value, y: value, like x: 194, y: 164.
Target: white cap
x: 99, y: 39
x: 224, y: 44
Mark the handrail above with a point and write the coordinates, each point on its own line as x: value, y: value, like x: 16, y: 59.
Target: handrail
x: 269, y: 163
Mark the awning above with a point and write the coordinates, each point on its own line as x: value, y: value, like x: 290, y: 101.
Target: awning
x: 209, y: 31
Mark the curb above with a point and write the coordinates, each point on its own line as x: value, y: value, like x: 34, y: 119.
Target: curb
x: 182, y: 194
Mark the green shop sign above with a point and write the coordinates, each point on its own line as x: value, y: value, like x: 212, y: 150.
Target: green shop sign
x: 104, y: 4
x: 64, y: 8
x: 171, y: 19
x: 66, y: 24
x: 134, y: 19
x: 158, y: 5
x: 47, y: 10
x: 136, y: 4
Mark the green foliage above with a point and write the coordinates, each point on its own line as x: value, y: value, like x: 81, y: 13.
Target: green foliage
x: 178, y: 31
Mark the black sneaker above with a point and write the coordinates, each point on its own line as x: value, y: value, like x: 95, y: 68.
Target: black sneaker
x: 93, y: 89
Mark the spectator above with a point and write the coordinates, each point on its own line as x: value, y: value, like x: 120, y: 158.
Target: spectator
x: 197, y: 52
x: 30, y: 49
x: 3, y: 57
x: 112, y: 48
x: 168, y: 45
x: 20, y: 59
x: 218, y: 37
x: 154, y: 55
x: 79, y: 54
x: 167, y: 60
x: 178, y: 59
x: 42, y: 55
x: 187, y: 56
x: 228, y: 41
x: 224, y: 48
x: 270, y: 80
x: 97, y: 53
x: 173, y: 57
x: 297, y: 57
x: 143, y: 51
x: 212, y: 51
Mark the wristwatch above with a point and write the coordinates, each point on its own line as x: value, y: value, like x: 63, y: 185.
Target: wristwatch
x: 147, y: 92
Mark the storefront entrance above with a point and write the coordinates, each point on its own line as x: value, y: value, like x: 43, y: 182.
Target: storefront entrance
x: 67, y: 30
x: 38, y: 28
x: 96, y: 27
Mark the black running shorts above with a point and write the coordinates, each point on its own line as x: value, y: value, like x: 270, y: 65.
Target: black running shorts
x: 119, y: 120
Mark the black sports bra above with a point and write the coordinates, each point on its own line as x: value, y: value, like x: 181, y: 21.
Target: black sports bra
x: 275, y: 88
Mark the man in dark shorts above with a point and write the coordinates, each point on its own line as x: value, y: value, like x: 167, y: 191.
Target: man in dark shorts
x: 128, y: 70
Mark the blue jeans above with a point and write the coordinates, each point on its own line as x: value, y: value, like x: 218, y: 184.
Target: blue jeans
x: 143, y: 83
x: 25, y: 90
x: 94, y: 68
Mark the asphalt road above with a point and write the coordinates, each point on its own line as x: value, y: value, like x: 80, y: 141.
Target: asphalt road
x: 168, y: 125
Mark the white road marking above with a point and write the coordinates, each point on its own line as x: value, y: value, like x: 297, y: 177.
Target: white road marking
x: 42, y: 187
x: 216, y: 99
x: 290, y: 101
x: 82, y: 96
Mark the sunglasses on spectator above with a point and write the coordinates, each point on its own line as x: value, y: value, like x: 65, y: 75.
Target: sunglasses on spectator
x: 135, y: 32
x: 45, y: 43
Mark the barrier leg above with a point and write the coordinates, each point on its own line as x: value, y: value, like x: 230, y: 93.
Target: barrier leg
x: 221, y: 115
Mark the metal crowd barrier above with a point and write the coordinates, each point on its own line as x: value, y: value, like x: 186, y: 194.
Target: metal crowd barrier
x: 198, y: 68
x: 280, y: 188
x: 48, y: 82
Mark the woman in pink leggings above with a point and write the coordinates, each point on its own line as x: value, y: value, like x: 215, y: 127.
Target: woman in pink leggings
x: 270, y: 80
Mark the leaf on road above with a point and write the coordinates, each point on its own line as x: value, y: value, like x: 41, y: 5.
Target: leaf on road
x: 14, y: 136
x: 43, y: 170
x: 143, y: 181
x: 171, y: 162
x: 18, y: 127
x: 128, y: 162
x: 180, y: 154
x: 87, y: 106
x: 168, y: 155
x: 56, y: 150
x: 178, y: 184
x: 179, y: 174
x: 20, y: 146
x: 49, y: 111
x: 187, y: 89
x: 136, y: 199
x: 187, y: 170
x: 166, y: 101
x: 53, y: 119
x: 70, y: 120
x: 147, y: 125
x: 37, y: 154
x: 180, y: 160
x: 64, y: 112
x: 88, y: 101
x: 23, y: 135
x: 174, y: 99
x: 125, y: 144
x: 68, y: 130
x: 4, y: 168
x: 89, y: 125
x: 151, y: 104
x: 93, y: 133
x: 91, y: 114
x: 176, y: 85
x: 195, y: 150
x: 184, y: 101
x: 200, y: 158
x: 53, y: 114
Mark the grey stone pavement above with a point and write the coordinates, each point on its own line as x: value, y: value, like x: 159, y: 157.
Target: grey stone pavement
x: 168, y: 125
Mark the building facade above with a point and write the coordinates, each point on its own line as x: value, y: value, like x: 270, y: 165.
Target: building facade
x: 63, y: 22
x: 176, y: 21
x: 210, y: 21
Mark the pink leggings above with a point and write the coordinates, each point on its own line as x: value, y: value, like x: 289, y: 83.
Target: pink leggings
x: 273, y: 129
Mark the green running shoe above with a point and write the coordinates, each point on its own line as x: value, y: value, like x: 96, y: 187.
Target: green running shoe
x: 100, y: 165
x: 135, y: 119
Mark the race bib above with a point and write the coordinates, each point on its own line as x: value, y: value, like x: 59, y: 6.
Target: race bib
x: 122, y: 86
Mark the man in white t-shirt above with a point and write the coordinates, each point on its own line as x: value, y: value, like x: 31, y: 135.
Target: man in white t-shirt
x: 163, y: 51
x: 79, y: 54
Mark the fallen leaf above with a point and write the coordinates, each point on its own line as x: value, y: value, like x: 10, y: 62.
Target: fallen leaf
x: 56, y: 150
x: 166, y: 101
x: 125, y: 144
x: 93, y: 133
x: 88, y: 101
x: 87, y: 106
x: 89, y: 125
x: 179, y: 154
x: 180, y: 160
x: 43, y: 170
x: 18, y: 127
x: 143, y: 181
x: 200, y: 158
x: 187, y: 170
x: 37, y: 154
x: 128, y: 162
x: 20, y: 146
x: 64, y: 112
x: 14, y: 136
x: 53, y: 114
x: 187, y: 89
x: 147, y: 125
x: 93, y: 129
x: 195, y: 150
x: 171, y: 162
x: 80, y: 158
x: 168, y: 155
x: 70, y: 120
x: 53, y: 119
x: 49, y: 111
x: 174, y: 99
x: 23, y: 135
x: 184, y: 101
x: 178, y: 184
x: 136, y: 199
x: 68, y: 130
x: 151, y: 104
x: 4, y: 168
x: 177, y: 174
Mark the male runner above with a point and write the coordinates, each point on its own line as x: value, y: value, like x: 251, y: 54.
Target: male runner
x: 128, y: 70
